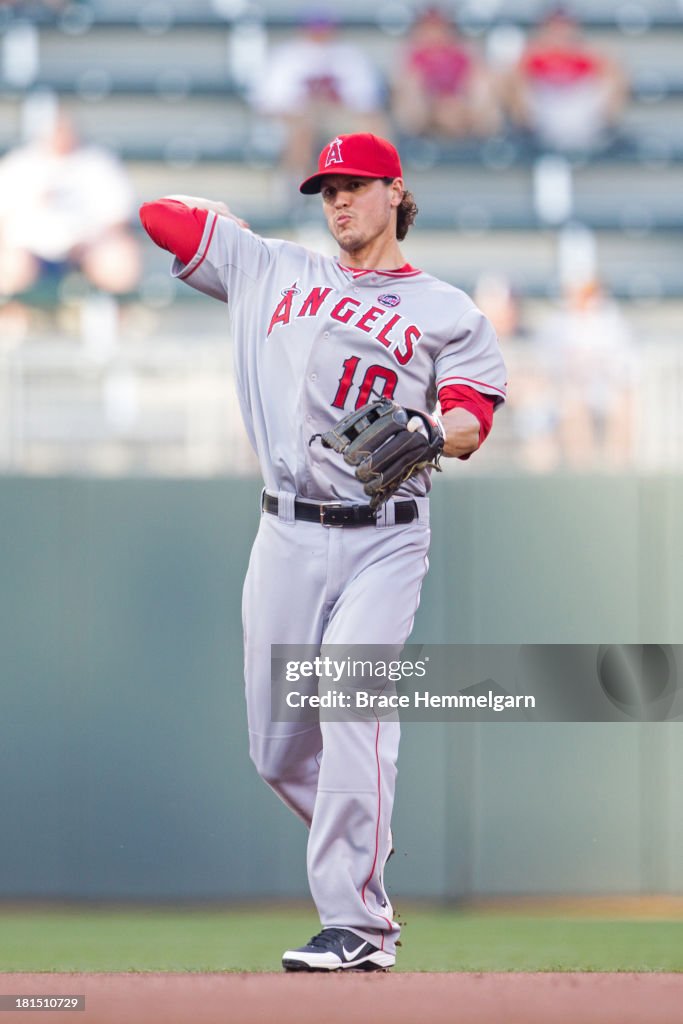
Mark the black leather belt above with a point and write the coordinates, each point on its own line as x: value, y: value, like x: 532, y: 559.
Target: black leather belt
x: 334, y: 514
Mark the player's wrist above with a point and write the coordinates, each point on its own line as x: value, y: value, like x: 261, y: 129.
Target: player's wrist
x: 427, y: 423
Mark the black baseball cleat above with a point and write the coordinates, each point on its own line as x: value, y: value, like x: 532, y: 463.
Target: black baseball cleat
x: 335, y: 949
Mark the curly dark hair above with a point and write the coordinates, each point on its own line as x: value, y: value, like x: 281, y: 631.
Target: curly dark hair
x: 406, y: 212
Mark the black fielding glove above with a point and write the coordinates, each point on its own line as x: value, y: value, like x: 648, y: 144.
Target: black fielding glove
x: 387, y: 444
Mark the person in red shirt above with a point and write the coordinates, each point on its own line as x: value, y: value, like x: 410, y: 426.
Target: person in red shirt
x: 567, y: 93
x: 442, y: 87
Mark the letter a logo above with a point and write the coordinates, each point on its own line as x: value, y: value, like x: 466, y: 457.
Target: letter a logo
x: 334, y: 155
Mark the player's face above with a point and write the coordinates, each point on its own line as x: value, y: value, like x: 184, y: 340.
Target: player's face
x: 360, y: 210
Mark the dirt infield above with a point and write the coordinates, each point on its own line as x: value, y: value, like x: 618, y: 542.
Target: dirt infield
x: 355, y: 998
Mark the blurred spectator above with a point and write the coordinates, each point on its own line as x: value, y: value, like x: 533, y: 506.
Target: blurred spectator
x: 65, y: 206
x: 567, y: 93
x: 531, y: 412
x: 34, y: 7
x: 441, y: 86
x: 318, y: 85
x: 500, y: 304
x: 585, y: 349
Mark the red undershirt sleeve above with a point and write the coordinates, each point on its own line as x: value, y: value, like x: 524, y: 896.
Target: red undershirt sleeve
x: 479, y: 404
x: 174, y: 226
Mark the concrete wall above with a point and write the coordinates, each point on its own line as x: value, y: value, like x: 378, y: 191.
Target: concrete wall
x: 123, y: 758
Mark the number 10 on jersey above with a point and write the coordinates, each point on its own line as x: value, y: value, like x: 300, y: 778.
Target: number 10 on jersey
x: 378, y: 379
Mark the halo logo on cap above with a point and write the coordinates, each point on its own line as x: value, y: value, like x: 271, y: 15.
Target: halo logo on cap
x: 334, y: 155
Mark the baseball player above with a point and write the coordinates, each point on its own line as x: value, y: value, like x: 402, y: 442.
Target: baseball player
x: 314, y: 339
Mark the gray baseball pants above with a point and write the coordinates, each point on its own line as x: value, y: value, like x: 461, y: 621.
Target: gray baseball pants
x: 311, y: 584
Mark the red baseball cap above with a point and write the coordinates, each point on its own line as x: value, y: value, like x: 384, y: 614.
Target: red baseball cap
x: 362, y: 154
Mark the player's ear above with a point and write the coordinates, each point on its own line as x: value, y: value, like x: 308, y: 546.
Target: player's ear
x: 396, y: 188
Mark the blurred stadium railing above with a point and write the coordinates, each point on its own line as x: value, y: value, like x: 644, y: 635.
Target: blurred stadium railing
x: 170, y: 408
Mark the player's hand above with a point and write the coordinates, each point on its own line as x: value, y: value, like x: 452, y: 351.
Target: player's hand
x: 216, y: 205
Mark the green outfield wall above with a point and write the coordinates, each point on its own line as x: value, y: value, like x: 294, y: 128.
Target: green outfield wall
x: 124, y: 770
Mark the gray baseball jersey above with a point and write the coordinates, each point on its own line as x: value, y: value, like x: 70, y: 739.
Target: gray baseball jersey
x: 313, y: 340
